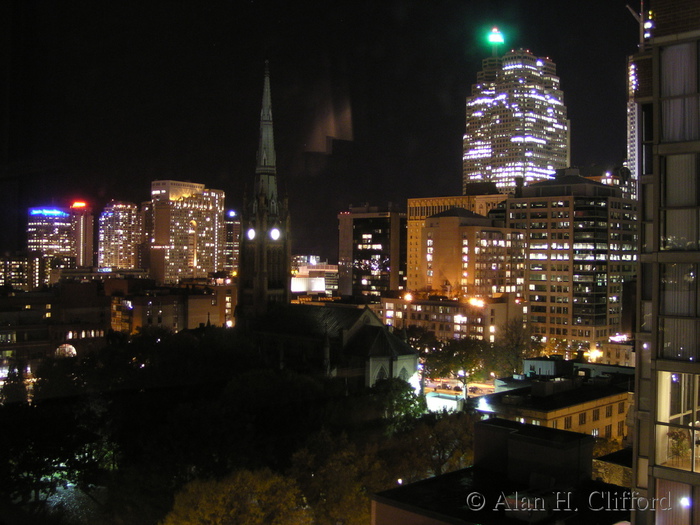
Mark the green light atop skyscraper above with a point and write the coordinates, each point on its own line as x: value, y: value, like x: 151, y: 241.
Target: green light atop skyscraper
x: 496, y: 37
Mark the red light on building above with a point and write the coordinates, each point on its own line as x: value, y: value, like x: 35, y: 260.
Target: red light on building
x: 78, y: 204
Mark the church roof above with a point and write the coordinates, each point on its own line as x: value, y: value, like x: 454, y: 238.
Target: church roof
x: 310, y: 320
x: 377, y: 341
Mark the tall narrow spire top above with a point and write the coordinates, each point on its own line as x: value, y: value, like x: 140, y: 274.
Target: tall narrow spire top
x: 266, y: 147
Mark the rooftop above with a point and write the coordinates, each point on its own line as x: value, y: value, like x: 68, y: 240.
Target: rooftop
x: 522, y: 398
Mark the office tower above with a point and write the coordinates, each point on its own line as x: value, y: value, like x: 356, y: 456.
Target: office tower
x: 185, y: 231
x: 371, y: 250
x: 581, y: 238
x: 232, y: 244
x: 118, y: 237
x: 480, y: 198
x: 83, y: 225
x: 50, y: 232
x: 516, y: 122
x: 265, y: 258
x: 466, y: 256
x: 633, y: 129
x: 667, y: 441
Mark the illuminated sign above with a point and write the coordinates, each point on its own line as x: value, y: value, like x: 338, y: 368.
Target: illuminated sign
x: 78, y: 204
x: 47, y: 212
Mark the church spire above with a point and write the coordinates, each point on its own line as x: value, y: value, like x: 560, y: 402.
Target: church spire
x: 265, y: 253
x: 266, y: 170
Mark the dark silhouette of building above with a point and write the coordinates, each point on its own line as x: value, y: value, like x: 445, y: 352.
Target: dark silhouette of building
x: 521, y: 474
x: 265, y: 260
x: 371, y: 250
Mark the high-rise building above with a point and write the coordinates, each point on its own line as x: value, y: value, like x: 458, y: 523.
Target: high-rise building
x: 63, y: 236
x: 465, y: 255
x: 265, y: 258
x: 83, y: 228
x: 480, y: 198
x: 516, y: 124
x: 185, y: 234
x: 371, y: 250
x: 118, y: 237
x: 667, y: 92
x: 581, y: 248
x: 50, y: 232
x: 232, y: 244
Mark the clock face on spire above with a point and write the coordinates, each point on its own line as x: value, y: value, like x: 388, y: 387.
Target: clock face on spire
x: 251, y: 234
x: 275, y: 234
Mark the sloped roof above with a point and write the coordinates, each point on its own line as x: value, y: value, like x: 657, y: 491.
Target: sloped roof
x: 309, y: 320
x: 377, y: 341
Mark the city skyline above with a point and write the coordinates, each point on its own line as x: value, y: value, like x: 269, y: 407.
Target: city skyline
x: 104, y: 100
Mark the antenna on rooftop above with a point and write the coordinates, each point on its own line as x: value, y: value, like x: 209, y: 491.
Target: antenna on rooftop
x: 646, y: 23
x: 495, y: 39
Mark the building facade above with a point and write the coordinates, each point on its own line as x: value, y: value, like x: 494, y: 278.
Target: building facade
x: 265, y: 258
x: 371, y: 250
x: 482, y: 200
x: 232, y: 244
x: 50, y: 234
x: 184, y: 231
x: 516, y: 124
x: 22, y: 271
x: 83, y: 224
x: 582, y: 241
x: 118, y: 236
x: 480, y: 319
x: 667, y: 93
x: 566, y: 404
x: 465, y: 255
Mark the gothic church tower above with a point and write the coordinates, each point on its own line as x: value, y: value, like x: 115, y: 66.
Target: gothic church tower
x: 265, y: 260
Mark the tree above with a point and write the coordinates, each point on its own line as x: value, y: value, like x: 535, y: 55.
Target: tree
x: 398, y: 402
x: 514, y: 343
x: 14, y: 389
x: 336, y: 479
x: 604, y: 446
x: 422, y: 340
x: 244, y: 498
x: 439, y: 443
x: 459, y: 359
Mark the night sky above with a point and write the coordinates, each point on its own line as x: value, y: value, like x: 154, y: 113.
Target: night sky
x: 103, y: 97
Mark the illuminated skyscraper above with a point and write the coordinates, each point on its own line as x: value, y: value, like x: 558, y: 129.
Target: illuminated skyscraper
x: 185, y: 231
x: 232, y: 246
x: 82, y: 222
x: 581, y: 250
x: 50, y: 232
x: 516, y: 122
x: 119, y: 233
